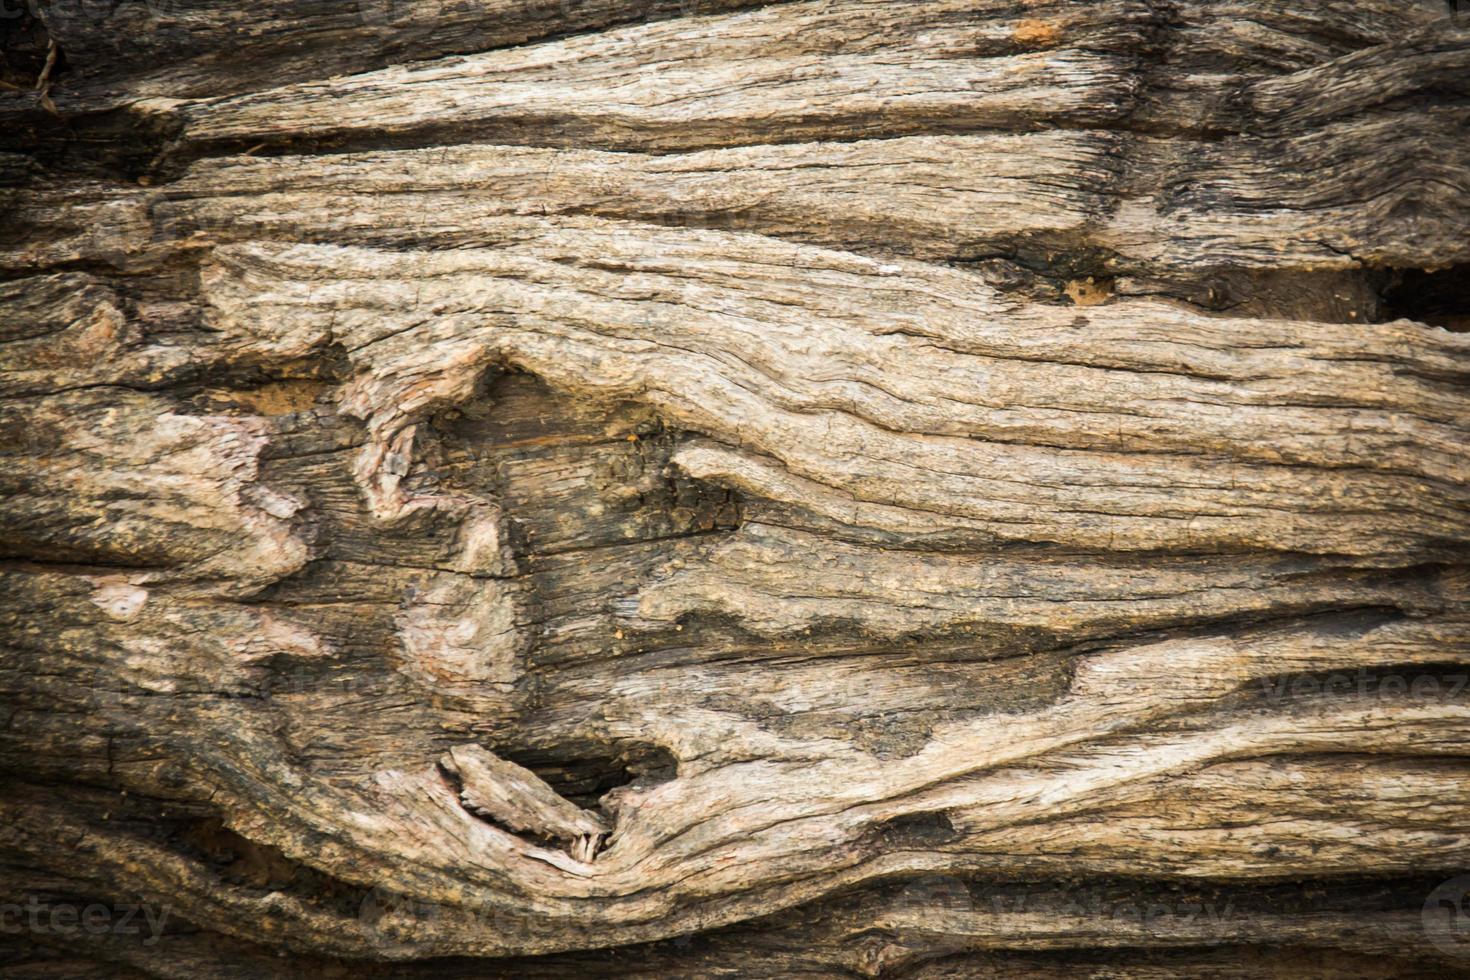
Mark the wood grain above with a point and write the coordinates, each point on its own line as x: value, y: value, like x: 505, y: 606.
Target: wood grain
x: 815, y: 489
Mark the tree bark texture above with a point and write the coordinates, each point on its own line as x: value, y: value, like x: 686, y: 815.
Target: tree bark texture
x: 833, y: 488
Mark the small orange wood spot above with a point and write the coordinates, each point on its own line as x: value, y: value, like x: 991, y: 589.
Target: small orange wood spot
x: 1039, y: 33
x: 1089, y: 292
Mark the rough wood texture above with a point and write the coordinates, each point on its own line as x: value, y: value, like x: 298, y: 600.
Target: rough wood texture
x: 582, y: 488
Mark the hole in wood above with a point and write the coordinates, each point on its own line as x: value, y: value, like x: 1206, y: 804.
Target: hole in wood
x: 1440, y: 297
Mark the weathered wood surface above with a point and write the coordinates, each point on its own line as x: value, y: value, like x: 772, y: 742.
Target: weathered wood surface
x: 826, y: 488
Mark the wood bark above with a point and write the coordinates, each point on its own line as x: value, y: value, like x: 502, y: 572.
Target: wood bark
x: 822, y: 488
